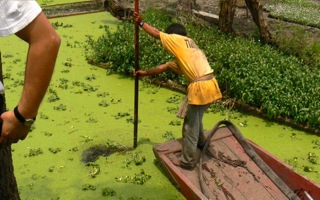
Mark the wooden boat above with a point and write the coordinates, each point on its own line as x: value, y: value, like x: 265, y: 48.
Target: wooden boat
x: 233, y: 168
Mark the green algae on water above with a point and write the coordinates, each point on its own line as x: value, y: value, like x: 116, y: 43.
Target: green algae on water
x: 78, y: 91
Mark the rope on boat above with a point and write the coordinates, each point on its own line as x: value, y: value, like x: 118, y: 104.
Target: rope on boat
x: 252, y: 154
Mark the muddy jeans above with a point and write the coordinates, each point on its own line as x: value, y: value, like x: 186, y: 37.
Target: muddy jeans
x: 192, y: 133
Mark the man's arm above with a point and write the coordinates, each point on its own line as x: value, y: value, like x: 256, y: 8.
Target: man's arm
x: 157, y: 70
x: 154, y: 32
x: 44, y: 44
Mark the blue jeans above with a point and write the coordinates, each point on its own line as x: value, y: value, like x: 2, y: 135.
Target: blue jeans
x: 192, y: 133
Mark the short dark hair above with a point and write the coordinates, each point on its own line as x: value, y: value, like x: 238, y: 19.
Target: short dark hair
x: 176, y: 28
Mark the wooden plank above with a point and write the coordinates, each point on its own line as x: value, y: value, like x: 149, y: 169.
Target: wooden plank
x: 295, y: 181
x: 252, y: 180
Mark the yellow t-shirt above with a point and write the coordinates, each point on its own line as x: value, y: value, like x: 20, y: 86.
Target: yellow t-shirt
x: 191, y: 62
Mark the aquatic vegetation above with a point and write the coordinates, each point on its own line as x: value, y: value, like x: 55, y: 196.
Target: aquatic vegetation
x: 175, y: 122
x: 121, y: 115
x: 89, y: 88
x: 74, y: 149
x: 139, y: 179
x: 58, y: 24
x: 292, y: 162
x: 134, y: 158
x: 8, y: 55
x: 131, y: 120
x: 90, y: 77
x: 86, y: 139
x: 6, y: 75
x: 51, y: 169
x: 53, y: 98
x: 153, y: 91
x: 15, y: 61
x: 115, y: 101
x: 48, y: 134
x: 92, y: 120
x: 312, y: 158
x: 60, y: 107
x: 168, y: 135
x: 102, y: 94
x: 108, y: 192
x: 175, y: 99
x: 88, y: 187
x: 256, y: 75
x: 172, y: 110
x: 67, y: 63
x: 94, y: 169
x: 34, y: 152
x: 74, y: 143
x: 65, y: 71
x: 316, y: 144
x: 54, y: 150
x: 309, y: 169
x: 104, y: 103
x: 17, y: 83
x: 63, y: 83
x: 243, y: 124
x: 43, y: 116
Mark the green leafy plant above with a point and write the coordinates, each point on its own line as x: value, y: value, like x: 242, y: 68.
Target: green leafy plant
x: 277, y: 83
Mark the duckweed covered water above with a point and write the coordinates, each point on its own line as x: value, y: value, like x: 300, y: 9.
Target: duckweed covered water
x: 85, y: 107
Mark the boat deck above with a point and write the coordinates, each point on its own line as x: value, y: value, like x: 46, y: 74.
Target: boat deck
x: 228, y: 172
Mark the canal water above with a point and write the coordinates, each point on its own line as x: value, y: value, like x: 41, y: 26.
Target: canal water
x: 87, y: 113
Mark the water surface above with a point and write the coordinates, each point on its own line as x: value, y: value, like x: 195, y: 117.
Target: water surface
x: 85, y: 107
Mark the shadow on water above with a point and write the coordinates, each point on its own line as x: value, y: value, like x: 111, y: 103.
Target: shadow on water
x: 92, y: 153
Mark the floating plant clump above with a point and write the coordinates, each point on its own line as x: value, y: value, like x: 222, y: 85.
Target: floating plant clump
x: 102, y: 94
x: 88, y: 187
x: 116, y: 101
x: 61, y: 107
x: 92, y: 120
x: 172, y: 110
x: 53, y: 98
x: 34, y: 152
x: 175, y: 123
x: 312, y: 158
x: 176, y: 99
x: 108, y: 192
x: 121, y: 115
x: 54, y: 150
x: 91, y: 77
x: 57, y: 24
x: 134, y: 158
x: 139, y: 179
x: 168, y: 135
x: 316, y: 144
x: 94, y: 169
x: 104, y: 103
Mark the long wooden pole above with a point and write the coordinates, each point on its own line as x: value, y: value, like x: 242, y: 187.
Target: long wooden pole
x: 136, y: 81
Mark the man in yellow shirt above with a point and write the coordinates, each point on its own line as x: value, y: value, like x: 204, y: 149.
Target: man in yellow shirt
x: 203, y: 88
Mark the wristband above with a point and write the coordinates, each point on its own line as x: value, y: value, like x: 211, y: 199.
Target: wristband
x: 26, y: 122
x: 141, y: 23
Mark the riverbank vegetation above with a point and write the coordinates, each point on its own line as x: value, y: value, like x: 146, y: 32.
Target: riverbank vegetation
x: 275, y: 82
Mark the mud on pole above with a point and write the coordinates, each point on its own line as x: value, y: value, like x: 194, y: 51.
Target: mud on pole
x: 136, y: 80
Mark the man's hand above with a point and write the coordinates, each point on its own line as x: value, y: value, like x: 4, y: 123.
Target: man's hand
x: 137, y: 17
x: 140, y: 73
x: 12, y: 129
